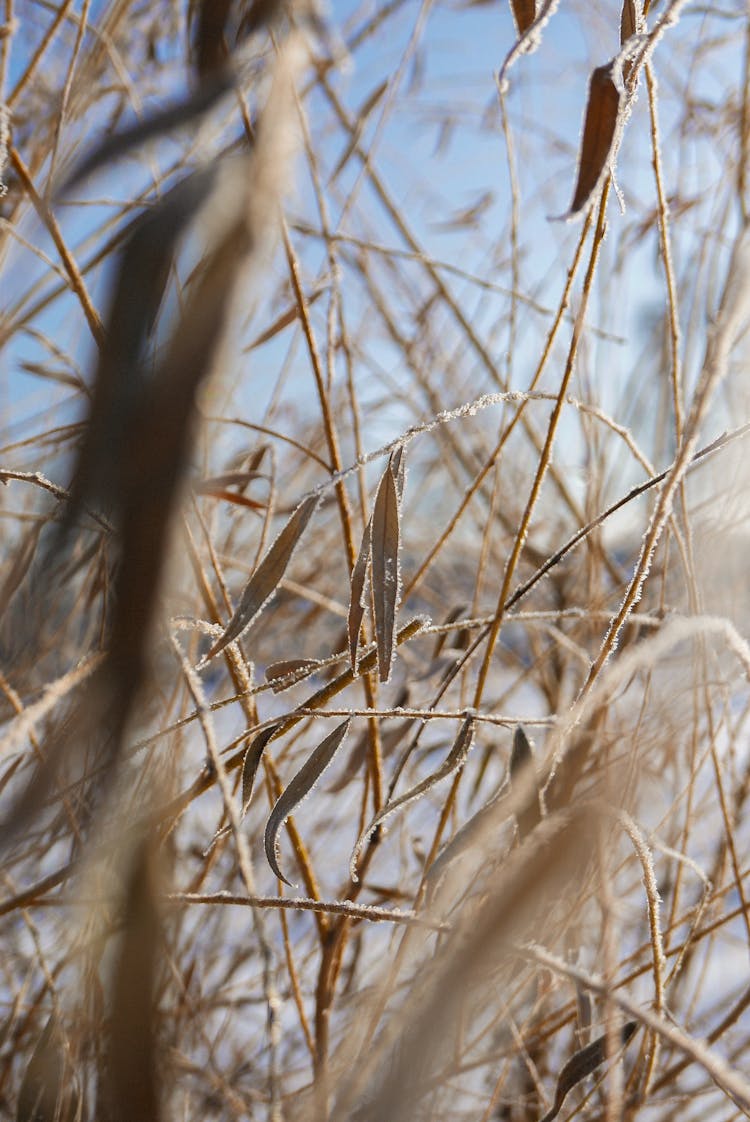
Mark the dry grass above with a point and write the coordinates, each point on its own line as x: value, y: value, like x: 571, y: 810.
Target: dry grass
x: 374, y: 681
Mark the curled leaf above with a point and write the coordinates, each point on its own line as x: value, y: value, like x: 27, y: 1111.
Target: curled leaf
x: 264, y: 581
x: 582, y: 1063
x: 600, y: 134
x: 300, y: 786
x: 455, y: 759
x: 357, y: 599
x: 385, y: 535
x: 252, y: 759
x: 523, y: 783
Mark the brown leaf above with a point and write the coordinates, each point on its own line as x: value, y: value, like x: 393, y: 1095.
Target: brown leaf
x: 600, y: 134
x: 252, y: 759
x: 228, y: 479
x: 357, y: 596
x: 632, y: 23
x: 631, y: 19
x: 524, y: 13
x: 385, y: 536
x: 398, y: 467
x: 581, y: 1064
x: 455, y: 759
x: 300, y: 786
x: 264, y: 581
x: 282, y: 675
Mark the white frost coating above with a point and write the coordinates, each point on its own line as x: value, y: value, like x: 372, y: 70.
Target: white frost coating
x: 527, y: 44
x: 23, y: 725
x: 4, y: 144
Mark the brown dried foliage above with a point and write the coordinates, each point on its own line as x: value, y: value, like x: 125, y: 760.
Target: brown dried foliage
x: 513, y: 695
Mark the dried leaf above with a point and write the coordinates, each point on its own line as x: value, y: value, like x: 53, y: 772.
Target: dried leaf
x: 131, y: 1069
x: 523, y: 783
x: 300, y: 786
x: 252, y: 759
x: 631, y: 19
x: 385, y: 536
x: 264, y: 581
x: 398, y: 467
x: 357, y: 600
x: 528, y: 41
x: 581, y: 1064
x: 600, y: 134
x: 235, y: 499
x: 524, y: 13
x: 455, y: 759
x: 282, y: 675
x: 632, y: 22
x: 41, y: 1092
x: 228, y: 479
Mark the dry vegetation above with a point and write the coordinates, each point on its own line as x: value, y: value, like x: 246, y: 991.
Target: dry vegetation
x: 335, y: 470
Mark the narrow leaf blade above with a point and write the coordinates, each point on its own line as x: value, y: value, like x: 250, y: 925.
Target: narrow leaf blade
x: 300, y: 786
x: 631, y: 19
x: 251, y: 761
x: 600, y: 134
x: 358, y: 588
x: 264, y: 581
x: 584, y: 1062
x: 385, y: 570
